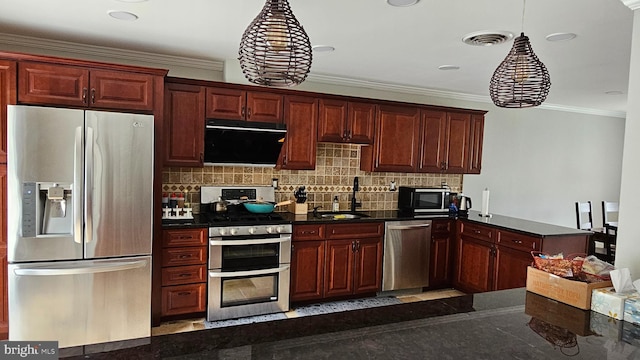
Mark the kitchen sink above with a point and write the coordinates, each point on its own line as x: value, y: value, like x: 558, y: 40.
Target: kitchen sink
x: 343, y: 216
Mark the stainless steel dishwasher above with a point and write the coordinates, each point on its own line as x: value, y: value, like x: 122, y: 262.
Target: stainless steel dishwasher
x: 407, y: 247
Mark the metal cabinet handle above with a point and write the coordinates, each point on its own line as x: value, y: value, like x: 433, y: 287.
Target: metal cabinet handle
x: 242, y: 112
x: 517, y: 241
x: 185, y: 256
x: 184, y: 293
x: 477, y: 231
x: 308, y: 232
x: 84, y: 95
x: 353, y: 246
x: 248, y: 113
x: 184, y: 275
x: 93, y: 96
x: 185, y: 237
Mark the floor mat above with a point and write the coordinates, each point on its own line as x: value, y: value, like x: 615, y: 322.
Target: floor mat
x: 245, y: 320
x: 346, y: 305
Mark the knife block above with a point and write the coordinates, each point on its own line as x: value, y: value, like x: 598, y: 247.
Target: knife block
x: 298, y: 209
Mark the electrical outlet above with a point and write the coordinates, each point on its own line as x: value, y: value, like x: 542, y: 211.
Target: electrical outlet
x: 392, y: 186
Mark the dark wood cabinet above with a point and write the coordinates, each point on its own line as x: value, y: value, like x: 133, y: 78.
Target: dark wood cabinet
x: 446, y: 142
x: 346, y: 121
x: 396, y: 140
x: 491, y: 258
x: 441, y: 260
x: 184, y: 121
x: 301, y: 118
x: 184, y: 271
x: 307, y: 264
x: 236, y: 104
x: 336, y: 260
x: 46, y: 83
x: 7, y: 96
x: 475, y: 144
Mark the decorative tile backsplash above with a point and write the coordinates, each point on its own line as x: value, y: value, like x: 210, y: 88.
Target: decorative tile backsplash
x: 336, y: 166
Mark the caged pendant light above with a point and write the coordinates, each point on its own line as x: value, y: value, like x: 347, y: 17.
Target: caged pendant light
x: 275, y: 50
x: 521, y: 80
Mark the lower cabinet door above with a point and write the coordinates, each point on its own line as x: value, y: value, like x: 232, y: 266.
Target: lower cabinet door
x: 339, y: 268
x: 307, y: 265
x: 510, y: 268
x: 474, y: 265
x: 184, y: 299
x: 368, y: 261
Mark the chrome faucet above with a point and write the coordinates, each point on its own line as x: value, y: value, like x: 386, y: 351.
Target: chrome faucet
x: 354, y: 203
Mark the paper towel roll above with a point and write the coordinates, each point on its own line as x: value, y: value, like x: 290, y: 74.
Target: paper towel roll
x: 485, y: 203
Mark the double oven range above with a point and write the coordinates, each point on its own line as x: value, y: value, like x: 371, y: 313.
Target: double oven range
x: 249, y: 255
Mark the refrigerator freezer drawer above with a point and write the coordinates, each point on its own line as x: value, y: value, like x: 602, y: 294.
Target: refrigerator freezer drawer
x: 80, y: 302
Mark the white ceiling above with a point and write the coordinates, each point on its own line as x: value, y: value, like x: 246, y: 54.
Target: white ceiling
x: 374, y: 41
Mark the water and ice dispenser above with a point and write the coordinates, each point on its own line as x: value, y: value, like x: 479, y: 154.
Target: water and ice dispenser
x: 47, y: 209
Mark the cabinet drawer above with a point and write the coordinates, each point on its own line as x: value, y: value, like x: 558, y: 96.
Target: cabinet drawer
x: 184, y: 237
x: 184, y: 256
x: 184, y: 299
x: 441, y: 226
x: 184, y: 275
x: 518, y: 241
x: 354, y: 230
x: 308, y: 232
x: 479, y: 232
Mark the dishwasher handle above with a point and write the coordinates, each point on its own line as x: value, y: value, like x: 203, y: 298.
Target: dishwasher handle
x: 407, y: 227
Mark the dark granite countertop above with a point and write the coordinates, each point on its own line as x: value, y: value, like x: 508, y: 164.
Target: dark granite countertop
x: 524, y: 226
x: 508, y: 324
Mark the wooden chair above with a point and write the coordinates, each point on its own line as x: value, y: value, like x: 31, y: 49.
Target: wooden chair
x: 584, y: 215
x: 610, y: 213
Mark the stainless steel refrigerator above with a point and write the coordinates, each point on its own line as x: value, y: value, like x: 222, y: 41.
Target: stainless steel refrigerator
x: 79, y: 225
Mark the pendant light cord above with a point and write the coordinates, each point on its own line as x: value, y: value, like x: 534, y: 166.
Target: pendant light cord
x: 524, y: 5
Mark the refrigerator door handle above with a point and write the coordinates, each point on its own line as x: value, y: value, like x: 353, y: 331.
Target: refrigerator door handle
x: 88, y: 186
x: 74, y: 270
x: 78, y: 187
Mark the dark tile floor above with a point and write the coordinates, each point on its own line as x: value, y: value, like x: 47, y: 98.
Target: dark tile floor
x: 483, y: 326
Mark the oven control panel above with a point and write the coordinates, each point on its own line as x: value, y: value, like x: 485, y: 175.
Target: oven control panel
x: 250, y: 230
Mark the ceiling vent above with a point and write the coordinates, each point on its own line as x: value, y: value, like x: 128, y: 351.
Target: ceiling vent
x: 487, y: 38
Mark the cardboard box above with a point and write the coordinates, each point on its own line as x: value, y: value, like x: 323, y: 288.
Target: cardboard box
x: 607, y: 302
x: 298, y: 209
x: 574, y: 293
x: 632, y: 310
x: 556, y: 313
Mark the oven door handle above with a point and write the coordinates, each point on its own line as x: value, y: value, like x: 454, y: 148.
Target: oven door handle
x: 228, y: 274
x: 249, y: 242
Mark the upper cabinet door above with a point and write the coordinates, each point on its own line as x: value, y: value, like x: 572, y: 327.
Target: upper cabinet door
x: 7, y: 96
x: 81, y: 87
x: 53, y: 84
x: 458, y: 129
x: 361, y: 120
x: 229, y: 104
x: 396, y: 143
x: 265, y: 107
x: 332, y: 120
x: 475, y: 144
x: 301, y: 118
x: 433, y: 149
x: 184, y: 125
x: 120, y: 90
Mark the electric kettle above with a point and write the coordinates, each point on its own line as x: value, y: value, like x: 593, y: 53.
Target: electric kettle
x: 464, y: 204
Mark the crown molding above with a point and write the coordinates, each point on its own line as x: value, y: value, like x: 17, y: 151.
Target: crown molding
x: 632, y: 4
x: 334, y: 80
x: 215, y: 65
x: 103, y: 51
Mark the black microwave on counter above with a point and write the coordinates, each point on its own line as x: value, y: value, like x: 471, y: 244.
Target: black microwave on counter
x: 423, y: 200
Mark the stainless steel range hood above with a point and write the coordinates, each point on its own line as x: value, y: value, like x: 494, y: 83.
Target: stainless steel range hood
x: 244, y: 143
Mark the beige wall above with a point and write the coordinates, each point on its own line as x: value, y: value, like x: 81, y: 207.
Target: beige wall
x: 336, y: 166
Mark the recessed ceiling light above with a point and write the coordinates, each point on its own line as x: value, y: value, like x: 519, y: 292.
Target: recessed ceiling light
x: 122, y: 15
x: 323, y: 48
x: 614, y: 92
x: 560, y: 36
x: 402, y: 3
x: 449, y: 67
x: 487, y: 37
